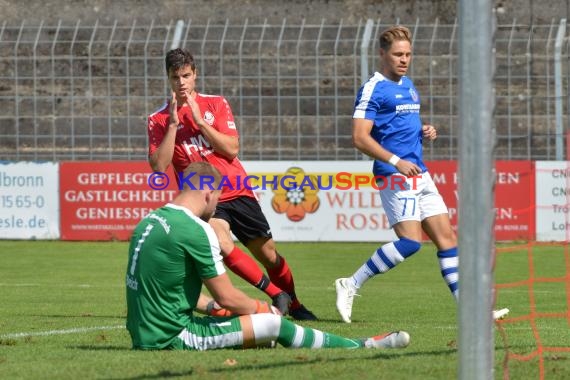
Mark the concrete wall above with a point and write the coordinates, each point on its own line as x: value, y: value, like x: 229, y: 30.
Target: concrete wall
x: 407, y: 11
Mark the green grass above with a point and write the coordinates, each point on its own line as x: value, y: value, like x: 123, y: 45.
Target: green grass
x: 56, y: 286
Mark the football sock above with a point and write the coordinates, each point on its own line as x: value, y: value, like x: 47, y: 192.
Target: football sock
x: 244, y: 266
x: 282, y: 277
x: 449, y: 264
x: 295, y: 336
x: 384, y: 259
x: 268, y: 327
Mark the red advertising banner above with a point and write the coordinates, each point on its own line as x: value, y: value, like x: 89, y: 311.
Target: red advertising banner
x: 514, y: 196
x: 105, y: 200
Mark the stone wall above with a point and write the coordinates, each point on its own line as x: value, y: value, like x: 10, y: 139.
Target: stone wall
x: 75, y: 122
x: 525, y: 11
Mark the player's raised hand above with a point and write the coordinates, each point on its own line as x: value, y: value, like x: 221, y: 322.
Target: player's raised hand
x: 429, y: 132
x: 196, y: 115
x: 173, y: 109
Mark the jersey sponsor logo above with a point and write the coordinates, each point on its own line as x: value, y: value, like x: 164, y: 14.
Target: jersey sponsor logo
x: 399, y: 96
x: 197, y: 144
x: 209, y: 117
x: 414, y: 95
x: 180, y: 126
x: 408, y: 108
x: 231, y: 125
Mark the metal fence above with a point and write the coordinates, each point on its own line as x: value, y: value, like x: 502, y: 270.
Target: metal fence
x: 83, y: 92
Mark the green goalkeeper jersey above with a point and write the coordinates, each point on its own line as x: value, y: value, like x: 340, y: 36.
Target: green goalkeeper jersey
x: 171, y: 251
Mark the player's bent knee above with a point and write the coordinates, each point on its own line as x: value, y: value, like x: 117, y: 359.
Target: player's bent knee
x: 407, y: 247
x: 265, y: 327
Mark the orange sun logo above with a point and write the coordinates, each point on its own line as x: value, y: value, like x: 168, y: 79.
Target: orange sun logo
x: 296, y: 194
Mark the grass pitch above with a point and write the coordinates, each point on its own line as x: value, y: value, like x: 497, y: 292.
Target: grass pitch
x: 62, y: 312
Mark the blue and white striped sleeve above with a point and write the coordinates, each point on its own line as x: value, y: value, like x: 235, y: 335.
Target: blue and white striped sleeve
x: 366, y: 105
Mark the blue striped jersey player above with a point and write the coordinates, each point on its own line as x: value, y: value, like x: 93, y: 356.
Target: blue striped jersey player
x: 387, y: 127
x: 393, y: 108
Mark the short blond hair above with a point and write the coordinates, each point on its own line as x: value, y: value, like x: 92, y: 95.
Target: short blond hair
x: 394, y: 33
x: 202, y: 174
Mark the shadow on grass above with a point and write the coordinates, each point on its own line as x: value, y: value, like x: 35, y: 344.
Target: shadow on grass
x: 392, y: 355
x: 328, y: 320
x: 300, y: 361
x: 159, y: 375
x: 303, y: 361
x: 85, y: 315
x: 100, y: 348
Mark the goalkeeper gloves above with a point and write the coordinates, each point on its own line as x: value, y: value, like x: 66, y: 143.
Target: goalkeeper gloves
x: 216, y: 310
x: 264, y: 307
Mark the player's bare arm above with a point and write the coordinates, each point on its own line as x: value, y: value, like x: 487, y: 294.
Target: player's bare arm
x: 429, y: 132
x: 207, y: 306
x: 227, y: 146
x: 202, y: 304
x: 161, y: 158
x: 363, y: 141
x: 234, y: 300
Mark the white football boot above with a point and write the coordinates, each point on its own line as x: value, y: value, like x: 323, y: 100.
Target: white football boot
x: 395, y: 339
x: 500, y: 314
x: 345, y: 293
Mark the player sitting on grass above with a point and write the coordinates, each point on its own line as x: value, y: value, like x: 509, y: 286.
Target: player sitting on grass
x: 173, y: 251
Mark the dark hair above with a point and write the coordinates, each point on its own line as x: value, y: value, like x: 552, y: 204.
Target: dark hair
x: 178, y: 58
x: 394, y: 33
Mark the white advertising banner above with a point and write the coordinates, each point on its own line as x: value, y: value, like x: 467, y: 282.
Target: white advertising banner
x: 29, y: 200
x: 552, y: 200
x: 319, y: 200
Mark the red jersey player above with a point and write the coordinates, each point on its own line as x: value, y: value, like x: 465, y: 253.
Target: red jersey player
x: 195, y: 127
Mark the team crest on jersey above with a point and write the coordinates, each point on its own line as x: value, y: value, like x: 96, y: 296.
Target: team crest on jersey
x: 414, y: 95
x: 209, y: 117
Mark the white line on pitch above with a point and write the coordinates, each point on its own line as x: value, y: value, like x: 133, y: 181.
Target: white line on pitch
x: 60, y: 332
x: 60, y: 285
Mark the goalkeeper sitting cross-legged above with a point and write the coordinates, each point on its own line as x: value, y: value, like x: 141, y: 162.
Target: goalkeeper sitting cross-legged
x: 173, y: 251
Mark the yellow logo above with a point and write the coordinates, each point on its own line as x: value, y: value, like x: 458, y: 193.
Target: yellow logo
x: 298, y: 197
